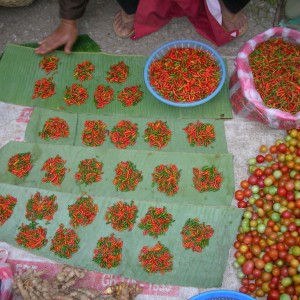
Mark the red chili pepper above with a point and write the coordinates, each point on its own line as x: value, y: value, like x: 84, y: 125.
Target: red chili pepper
x: 49, y: 63
x: 55, y: 128
x: 43, y: 88
x: 196, y: 235
x: 156, y: 259
x: 7, y: 205
x: 118, y: 73
x: 275, y: 66
x: 108, y: 253
x: 185, y: 75
x: 103, y: 96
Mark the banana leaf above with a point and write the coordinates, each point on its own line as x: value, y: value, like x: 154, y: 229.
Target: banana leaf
x: 19, y: 71
x: 177, y: 143
x: 197, y: 269
x: 145, y: 161
x: 83, y: 44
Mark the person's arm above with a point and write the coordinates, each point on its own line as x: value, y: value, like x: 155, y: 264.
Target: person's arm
x: 66, y: 33
x: 72, y: 9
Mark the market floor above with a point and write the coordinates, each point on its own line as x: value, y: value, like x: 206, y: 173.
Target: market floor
x: 33, y: 23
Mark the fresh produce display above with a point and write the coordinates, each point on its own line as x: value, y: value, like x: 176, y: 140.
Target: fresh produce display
x: 275, y: 66
x: 185, y: 74
x: 49, y: 63
x: 267, y: 246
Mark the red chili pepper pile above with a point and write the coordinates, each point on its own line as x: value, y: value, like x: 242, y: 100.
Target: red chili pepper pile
x: 83, y: 211
x: 49, y: 63
x: 156, y: 221
x: 130, y: 95
x: 118, y: 73
x: 65, y: 242
x: 167, y: 178
x: 207, y: 179
x: 20, y: 164
x: 55, y: 128
x: 32, y: 236
x: 55, y: 170
x: 196, y: 235
x: 84, y: 71
x: 39, y: 208
x: 7, y: 205
x: 94, y: 133
x: 89, y: 171
x: 185, y: 75
x: 124, y: 134
x: 156, y: 259
x: 43, y: 88
x: 200, y: 134
x: 76, y: 94
x: 108, y: 253
x: 157, y: 134
x: 121, y: 216
x: 103, y: 96
x: 275, y: 66
x: 127, y: 176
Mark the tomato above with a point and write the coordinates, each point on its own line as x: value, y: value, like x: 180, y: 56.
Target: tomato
x: 252, y: 179
x: 260, y: 159
x: 273, y: 149
x: 273, y: 253
x: 289, y: 185
x: 273, y: 295
x: 258, y: 172
x: 243, y: 289
x: 286, y: 214
x: 248, y: 267
x: 239, y: 195
x: 256, y: 250
x: 259, y: 264
x: 245, y: 281
x: 247, y: 192
x: 281, y: 191
x: 290, y: 241
x: 244, y: 184
x: 242, y: 204
x: 263, y: 149
x: 282, y: 148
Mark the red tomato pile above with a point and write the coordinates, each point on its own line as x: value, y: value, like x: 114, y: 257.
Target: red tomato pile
x: 267, y: 247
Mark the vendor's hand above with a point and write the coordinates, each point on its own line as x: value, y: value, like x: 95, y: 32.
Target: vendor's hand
x: 65, y: 34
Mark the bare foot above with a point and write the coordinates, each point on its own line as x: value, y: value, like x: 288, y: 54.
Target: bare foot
x: 233, y: 22
x: 123, y: 24
x: 65, y: 34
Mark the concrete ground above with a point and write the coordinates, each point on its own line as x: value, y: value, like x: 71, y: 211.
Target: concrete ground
x: 33, y: 23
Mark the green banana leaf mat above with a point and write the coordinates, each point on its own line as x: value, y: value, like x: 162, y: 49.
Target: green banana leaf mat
x: 178, y: 142
x: 19, y: 71
x: 145, y: 161
x: 200, y: 269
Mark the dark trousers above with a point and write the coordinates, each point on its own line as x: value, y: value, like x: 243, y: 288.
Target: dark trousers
x: 234, y: 6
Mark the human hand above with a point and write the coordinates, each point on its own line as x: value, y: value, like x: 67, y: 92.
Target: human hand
x: 65, y: 34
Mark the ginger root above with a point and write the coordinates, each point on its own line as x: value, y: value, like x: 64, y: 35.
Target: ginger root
x: 31, y: 286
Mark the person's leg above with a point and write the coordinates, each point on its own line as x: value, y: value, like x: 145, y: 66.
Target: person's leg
x: 232, y: 16
x: 124, y: 20
x: 235, y: 6
x: 129, y: 6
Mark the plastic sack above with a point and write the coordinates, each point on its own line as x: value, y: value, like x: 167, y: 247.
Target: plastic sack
x: 245, y: 99
x: 6, y: 277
